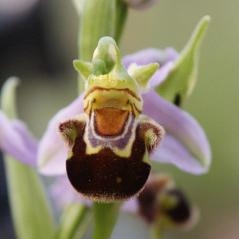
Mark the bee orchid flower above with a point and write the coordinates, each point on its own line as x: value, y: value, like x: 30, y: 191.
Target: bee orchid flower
x: 119, y: 120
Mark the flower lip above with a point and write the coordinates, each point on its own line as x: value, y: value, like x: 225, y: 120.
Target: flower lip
x: 104, y: 179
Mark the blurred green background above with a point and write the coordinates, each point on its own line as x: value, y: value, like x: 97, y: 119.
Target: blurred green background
x: 215, y: 101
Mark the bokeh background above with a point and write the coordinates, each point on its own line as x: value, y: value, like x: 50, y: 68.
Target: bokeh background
x: 38, y: 40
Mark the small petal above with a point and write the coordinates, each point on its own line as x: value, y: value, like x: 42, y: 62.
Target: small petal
x: 185, y: 144
x: 52, y: 152
x: 165, y: 58
x: 16, y: 140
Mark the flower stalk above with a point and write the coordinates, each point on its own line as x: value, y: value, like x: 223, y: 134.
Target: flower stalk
x: 73, y: 216
x: 156, y: 233
x: 106, y: 215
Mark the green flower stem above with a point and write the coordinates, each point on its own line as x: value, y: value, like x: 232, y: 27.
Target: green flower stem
x: 121, y: 17
x: 99, y: 18
x: 156, y: 233
x: 30, y: 211
x: 74, y: 222
x: 105, y: 215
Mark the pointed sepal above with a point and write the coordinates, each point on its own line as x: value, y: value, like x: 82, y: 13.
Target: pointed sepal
x: 142, y: 74
x: 83, y: 67
x: 181, y: 80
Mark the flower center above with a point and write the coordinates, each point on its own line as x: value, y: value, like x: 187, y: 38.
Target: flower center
x: 110, y: 121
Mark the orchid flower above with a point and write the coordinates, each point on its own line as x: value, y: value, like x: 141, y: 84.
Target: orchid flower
x: 129, y: 118
x: 102, y: 143
x: 185, y: 144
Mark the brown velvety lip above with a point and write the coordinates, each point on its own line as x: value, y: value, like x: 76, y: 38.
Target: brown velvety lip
x: 104, y: 178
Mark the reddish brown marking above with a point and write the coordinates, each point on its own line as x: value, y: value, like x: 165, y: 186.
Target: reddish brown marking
x: 144, y: 127
x: 108, y: 89
x: 66, y: 128
x: 105, y: 175
x: 110, y: 121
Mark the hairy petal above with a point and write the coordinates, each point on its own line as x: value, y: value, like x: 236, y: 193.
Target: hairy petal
x: 185, y: 145
x: 52, y: 152
x: 16, y: 140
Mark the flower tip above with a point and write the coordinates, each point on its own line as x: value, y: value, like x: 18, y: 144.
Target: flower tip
x: 203, y: 24
x: 206, y: 18
x: 10, y: 85
x: 14, y: 80
x: 205, y: 158
x: 206, y: 164
x: 8, y: 93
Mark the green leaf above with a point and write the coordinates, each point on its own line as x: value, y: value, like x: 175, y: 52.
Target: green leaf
x: 105, y: 215
x: 181, y: 80
x: 31, y: 215
x: 74, y: 222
